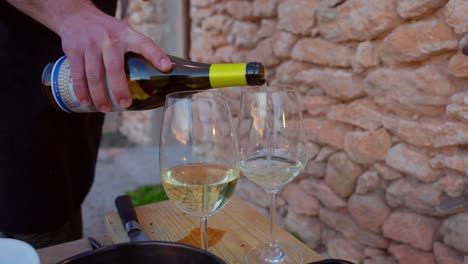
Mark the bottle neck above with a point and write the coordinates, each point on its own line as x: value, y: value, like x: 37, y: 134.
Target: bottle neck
x: 236, y: 74
x: 255, y: 73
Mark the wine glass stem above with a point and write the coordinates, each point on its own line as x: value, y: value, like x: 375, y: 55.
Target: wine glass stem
x: 272, y: 196
x: 203, y: 233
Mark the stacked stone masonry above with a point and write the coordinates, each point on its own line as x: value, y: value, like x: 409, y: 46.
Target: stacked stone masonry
x: 384, y: 87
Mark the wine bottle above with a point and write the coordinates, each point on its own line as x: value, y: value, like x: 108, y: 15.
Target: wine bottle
x: 148, y: 86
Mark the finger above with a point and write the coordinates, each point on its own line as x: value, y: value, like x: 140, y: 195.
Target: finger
x: 117, y: 80
x: 80, y: 85
x: 147, y: 48
x: 95, y: 75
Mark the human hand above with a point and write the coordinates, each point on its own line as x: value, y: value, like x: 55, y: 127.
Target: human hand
x: 95, y: 44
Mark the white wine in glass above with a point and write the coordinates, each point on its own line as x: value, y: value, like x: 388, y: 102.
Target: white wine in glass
x: 200, y: 189
x: 271, y: 172
x: 199, y: 158
x: 273, y: 152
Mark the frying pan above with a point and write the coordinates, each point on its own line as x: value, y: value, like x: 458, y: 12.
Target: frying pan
x: 139, y: 250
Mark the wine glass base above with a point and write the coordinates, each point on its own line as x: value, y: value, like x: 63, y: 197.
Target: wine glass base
x: 283, y: 254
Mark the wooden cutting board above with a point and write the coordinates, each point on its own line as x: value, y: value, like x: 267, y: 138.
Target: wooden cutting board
x: 233, y: 230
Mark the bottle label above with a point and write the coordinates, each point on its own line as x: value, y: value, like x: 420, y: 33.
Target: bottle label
x: 229, y: 74
x: 62, y: 89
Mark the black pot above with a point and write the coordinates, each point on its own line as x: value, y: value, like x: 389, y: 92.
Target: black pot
x: 145, y: 252
x: 332, y: 261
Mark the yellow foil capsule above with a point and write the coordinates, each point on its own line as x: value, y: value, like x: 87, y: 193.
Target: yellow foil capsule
x: 222, y: 75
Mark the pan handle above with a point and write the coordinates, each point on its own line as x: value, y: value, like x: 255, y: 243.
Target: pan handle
x: 94, y: 243
x: 129, y: 219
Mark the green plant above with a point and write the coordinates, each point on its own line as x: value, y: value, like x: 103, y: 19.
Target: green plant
x: 115, y: 139
x: 147, y: 194
x: 297, y: 236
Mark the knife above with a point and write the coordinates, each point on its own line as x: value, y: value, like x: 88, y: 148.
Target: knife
x: 129, y: 218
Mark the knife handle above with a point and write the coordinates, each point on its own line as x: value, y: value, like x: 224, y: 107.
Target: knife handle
x: 127, y: 214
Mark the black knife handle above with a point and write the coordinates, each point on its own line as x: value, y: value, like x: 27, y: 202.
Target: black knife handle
x: 126, y: 211
x: 94, y: 243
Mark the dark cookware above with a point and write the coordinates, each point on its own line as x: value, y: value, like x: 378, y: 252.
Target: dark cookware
x: 139, y: 250
x: 332, y: 261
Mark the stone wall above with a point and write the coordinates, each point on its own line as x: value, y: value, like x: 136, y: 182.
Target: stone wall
x: 385, y: 93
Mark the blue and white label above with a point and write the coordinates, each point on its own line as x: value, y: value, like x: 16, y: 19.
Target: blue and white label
x: 64, y: 94
x: 63, y: 91
x: 56, y: 86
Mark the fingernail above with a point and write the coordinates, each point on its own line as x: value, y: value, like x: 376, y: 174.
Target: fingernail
x: 85, y: 102
x: 165, y: 63
x: 104, y: 108
x: 124, y: 103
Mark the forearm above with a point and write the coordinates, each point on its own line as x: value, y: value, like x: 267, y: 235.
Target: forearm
x: 53, y: 13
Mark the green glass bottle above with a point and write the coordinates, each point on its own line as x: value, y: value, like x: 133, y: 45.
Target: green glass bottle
x: 147, y: 85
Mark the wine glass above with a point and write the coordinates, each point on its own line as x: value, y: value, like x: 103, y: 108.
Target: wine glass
x: 273, y: 152
x: 198, y: 154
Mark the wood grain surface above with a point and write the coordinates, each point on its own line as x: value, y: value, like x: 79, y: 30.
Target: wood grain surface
x: 237, y: 227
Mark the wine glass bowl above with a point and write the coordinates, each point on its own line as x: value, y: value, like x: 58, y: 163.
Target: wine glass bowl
x: 272, y: 152
x: 271, y: 173
x: 198, y: 154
